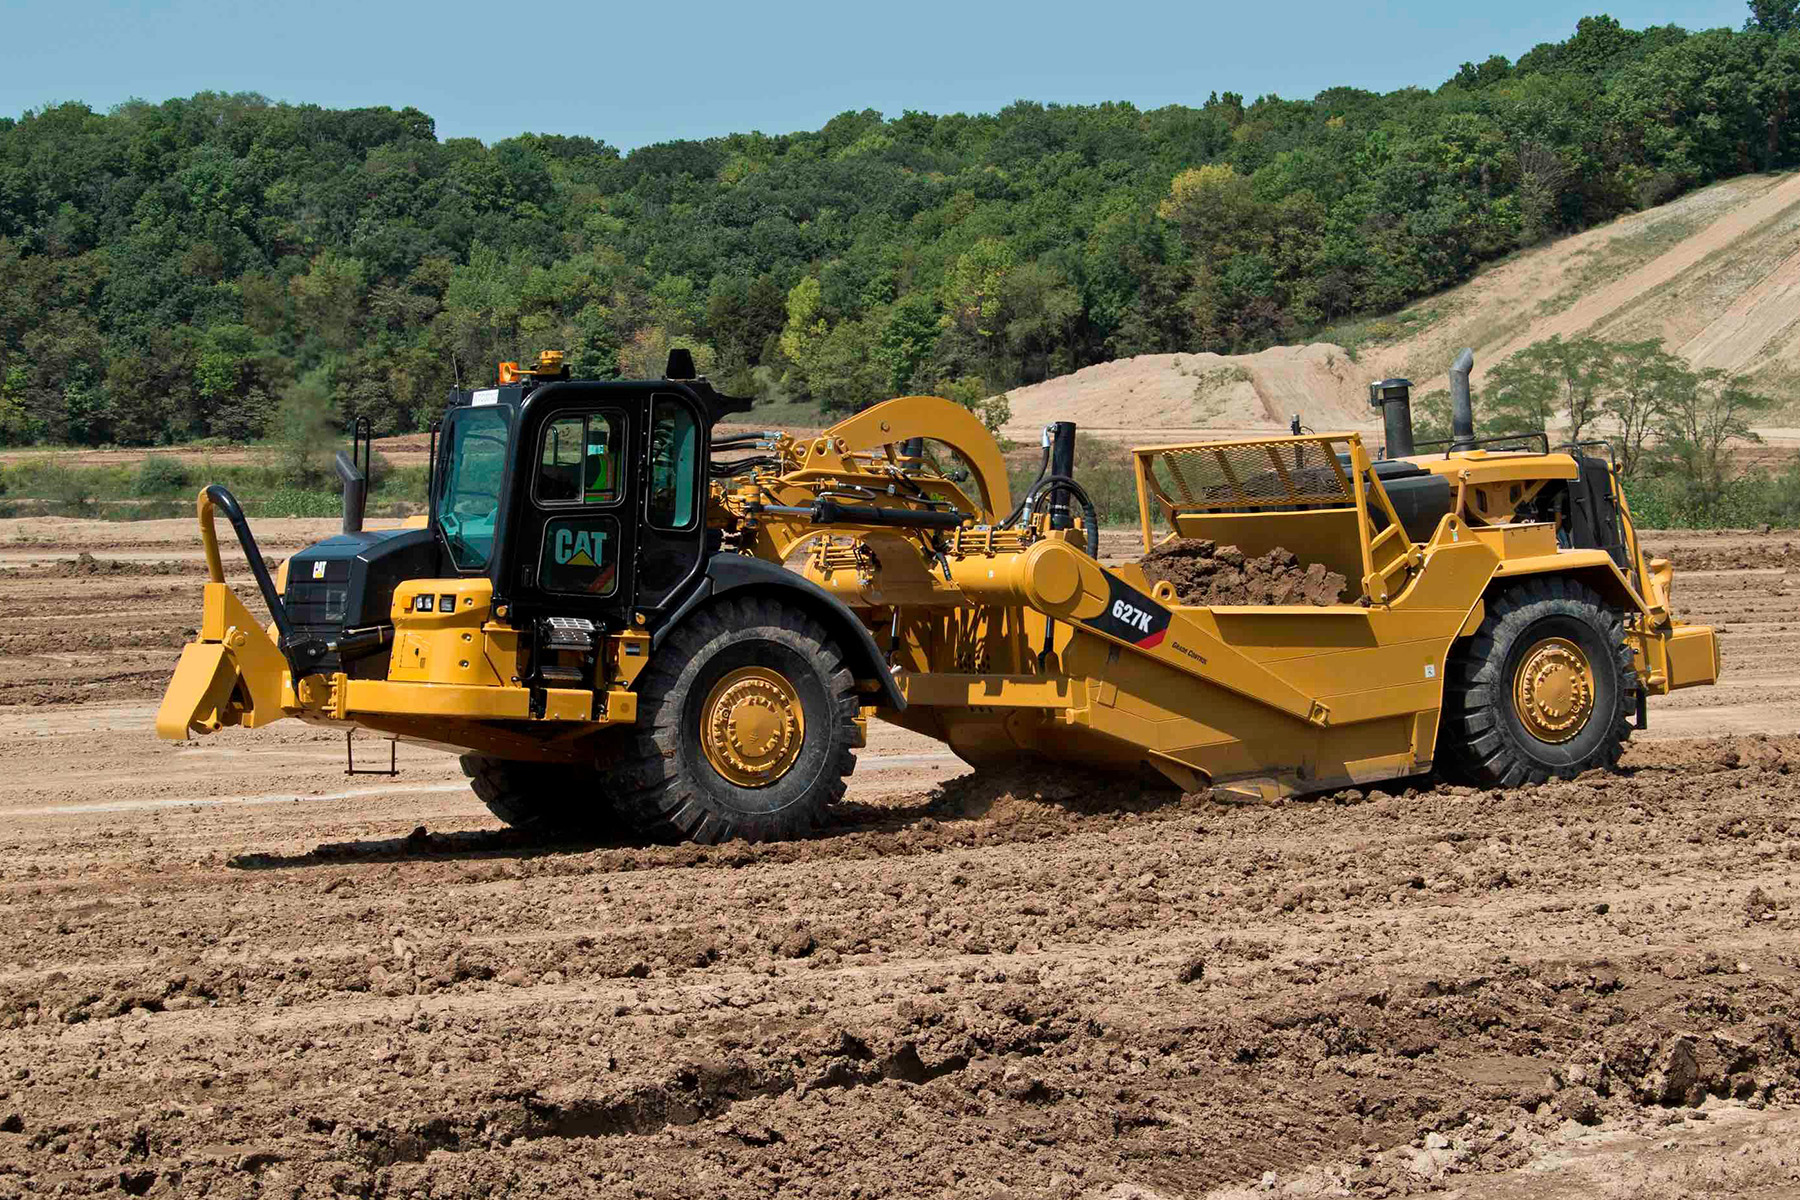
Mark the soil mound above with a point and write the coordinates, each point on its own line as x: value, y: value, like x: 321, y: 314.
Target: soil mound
x: 87, y: 564
x: 1205, y: 573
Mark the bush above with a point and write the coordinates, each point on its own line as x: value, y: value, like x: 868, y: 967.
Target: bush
x: 70, y: 493
x: 1670, y: 501
x: 405, y: 484
x: 306, y: 426
x: 159, y: 475
x: 295, y: 502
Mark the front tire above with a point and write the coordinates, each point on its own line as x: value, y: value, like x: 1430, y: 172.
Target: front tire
x: 552, y: 799
x: 746, y: 726
x: 1544, y: 688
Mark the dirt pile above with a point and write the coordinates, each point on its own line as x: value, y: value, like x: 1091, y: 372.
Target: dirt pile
x: 86, y: 564
x: 1205, y: 573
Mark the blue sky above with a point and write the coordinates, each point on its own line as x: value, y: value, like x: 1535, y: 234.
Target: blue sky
x: 641, y: 73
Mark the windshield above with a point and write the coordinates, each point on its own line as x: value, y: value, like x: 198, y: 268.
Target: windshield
x: 469, y: 502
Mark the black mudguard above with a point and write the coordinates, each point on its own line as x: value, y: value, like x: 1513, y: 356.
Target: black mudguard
x: 729, y: 573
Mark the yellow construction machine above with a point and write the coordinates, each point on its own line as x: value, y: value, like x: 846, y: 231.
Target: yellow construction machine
x: 619, y: 616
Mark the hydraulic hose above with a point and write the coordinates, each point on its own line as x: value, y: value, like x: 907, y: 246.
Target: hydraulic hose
x: 1090, y: 517
x: 1019, y: 509
x: 830, y: 512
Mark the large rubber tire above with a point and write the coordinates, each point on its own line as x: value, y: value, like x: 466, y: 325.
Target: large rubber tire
x: 670, y: 781
x: 554, y: 799
x: 1482, y: 738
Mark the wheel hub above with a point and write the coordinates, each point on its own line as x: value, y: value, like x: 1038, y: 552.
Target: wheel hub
x: 752, y: 726
x: 1553, y: 692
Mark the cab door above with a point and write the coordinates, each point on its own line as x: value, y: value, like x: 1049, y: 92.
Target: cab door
x: 576, y: 545
x: 672, y: 532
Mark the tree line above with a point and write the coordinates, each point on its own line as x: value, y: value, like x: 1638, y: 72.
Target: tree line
x: 219, y: 266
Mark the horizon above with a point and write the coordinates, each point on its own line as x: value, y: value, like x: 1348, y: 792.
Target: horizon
x: 125, y: 51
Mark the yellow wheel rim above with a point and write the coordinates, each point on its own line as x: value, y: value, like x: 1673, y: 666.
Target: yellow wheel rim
x: 752, y: 726
x: 1553, y: 692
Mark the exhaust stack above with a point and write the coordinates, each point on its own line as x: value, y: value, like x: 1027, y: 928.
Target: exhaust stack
x: 1394, y: 398
x: 1462, y: 410
x: 356, y: 492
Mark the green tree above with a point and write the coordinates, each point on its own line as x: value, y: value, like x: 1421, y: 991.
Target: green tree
x: 1773, y: 16
x: 328, y: 299
x: 1700, y: 425
x: 1644, y: 383
x: 907, y: 339
x: 15, y: 426
x: 1040, y: 239
x: 803, y: 336
x: 1517, y: 398
x: 1551, y: 381
x: 972, y: 292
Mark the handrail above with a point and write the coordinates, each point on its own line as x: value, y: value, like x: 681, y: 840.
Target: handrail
x: 300, y: 654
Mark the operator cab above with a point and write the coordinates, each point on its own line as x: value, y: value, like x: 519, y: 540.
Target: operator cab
x: 581, y: 503
x: 578, y: 499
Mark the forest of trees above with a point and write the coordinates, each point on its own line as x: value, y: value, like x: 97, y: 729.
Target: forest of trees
x: 201, y: 267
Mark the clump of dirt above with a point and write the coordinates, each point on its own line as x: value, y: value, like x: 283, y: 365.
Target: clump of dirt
x: 1206, y: 573
x: 87, y: 564
x: 1033, y: 792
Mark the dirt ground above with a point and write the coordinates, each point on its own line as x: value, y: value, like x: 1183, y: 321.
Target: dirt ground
x: 226, y: 969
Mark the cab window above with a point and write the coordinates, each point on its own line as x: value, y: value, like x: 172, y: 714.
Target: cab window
x: 468, y: 501
x: 673, y: 501
x: 578, y: 460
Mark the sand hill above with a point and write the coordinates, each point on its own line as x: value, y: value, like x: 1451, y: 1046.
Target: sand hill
x: 1716, y: 274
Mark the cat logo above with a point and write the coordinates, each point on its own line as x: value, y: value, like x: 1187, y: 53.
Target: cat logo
x: 319, y: 570
x: 580, y: 555
x: 580, y: 547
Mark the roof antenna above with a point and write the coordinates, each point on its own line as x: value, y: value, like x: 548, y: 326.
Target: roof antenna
x: 455, y: 371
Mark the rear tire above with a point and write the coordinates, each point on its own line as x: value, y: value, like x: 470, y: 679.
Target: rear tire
x: 746, y: 726
x: 1544, y: 688
x: 553, y: 799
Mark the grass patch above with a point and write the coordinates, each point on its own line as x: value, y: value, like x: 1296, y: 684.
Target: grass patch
x: 159, y: 486
x: 1356, y: 334
x: 785, y: 415
x: 1780, y: 379
x: 1617, y: 257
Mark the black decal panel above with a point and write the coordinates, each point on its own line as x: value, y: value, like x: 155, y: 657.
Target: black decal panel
x: 1131, y: 616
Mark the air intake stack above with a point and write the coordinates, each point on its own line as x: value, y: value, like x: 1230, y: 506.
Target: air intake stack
x: 1394, y: 398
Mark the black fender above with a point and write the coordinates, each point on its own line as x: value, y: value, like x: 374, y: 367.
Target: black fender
x: 730, y: 573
